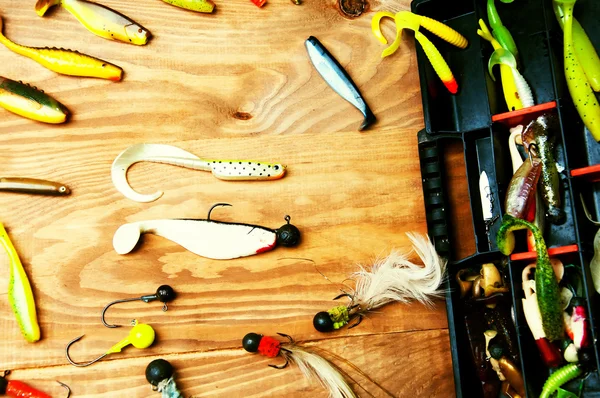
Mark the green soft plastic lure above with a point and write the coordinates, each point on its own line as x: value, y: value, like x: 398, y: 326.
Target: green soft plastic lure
x: 20, y: 294
x: 205, y: 6
x: 29, y: 102
x: 548, y: 292
x: 500, y: 32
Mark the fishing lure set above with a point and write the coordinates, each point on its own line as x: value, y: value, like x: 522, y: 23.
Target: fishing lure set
x: 523, y: 308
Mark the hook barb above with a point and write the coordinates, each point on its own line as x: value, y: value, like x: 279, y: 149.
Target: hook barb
x: 80, y: 364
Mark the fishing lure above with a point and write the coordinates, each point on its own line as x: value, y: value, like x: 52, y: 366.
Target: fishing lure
x: 475, y: 329
x: 595, y: 263
x: 233, y: 170
x: 218, y: 240
x: 560, y: 377
x: 500, y: 32
x: 205, y: 6
x: 548, y: 292
x: 312, y: 365
x: 29, y: 102
x: 408, y: 20
x: 584, y: 49
x: 33, y: 186
x: 18, y: 389
x: 164, y: 294
x: 159, y: 373
x: 504, y: 57
x: 337, y: 78
x: 259, y: 3
x: 507, y: 370
x: 20, y: 295
x: 393, y: 279
x: 66, y: 62
x: 583, y: 96
x: 140, y: 336
x: 100, y: 20
x: 521, y: 189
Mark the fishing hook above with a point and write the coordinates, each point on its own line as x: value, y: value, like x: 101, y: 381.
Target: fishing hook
x: 80, y: 364
x: 66, y: 387
x: 217, y: 205
x: 164, y: 294
x: 587, y: 211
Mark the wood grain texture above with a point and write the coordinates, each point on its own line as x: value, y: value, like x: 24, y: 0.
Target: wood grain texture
x: 236, y: 84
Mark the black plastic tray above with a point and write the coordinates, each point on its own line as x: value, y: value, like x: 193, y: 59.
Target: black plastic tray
x: 468, y: 117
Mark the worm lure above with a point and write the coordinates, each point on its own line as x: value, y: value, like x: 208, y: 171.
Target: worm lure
x: 208, y: 238
x: 312, y: 365
x: 27, y: 101
x: 393, y: 279
x: 159, y: 373
x: 232, y: 170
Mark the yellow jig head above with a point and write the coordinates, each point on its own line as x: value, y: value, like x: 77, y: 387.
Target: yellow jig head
x: 140, y: 336
x: 20, y: 295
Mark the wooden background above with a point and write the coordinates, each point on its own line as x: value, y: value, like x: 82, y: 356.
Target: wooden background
x: 236, y: 84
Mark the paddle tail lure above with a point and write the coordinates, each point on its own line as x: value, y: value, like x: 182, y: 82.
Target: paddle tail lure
x: 313, y: 366
x: 66, y: 62
x: 393, y: 279
x: 232, y: 170
x: 27, y: 101
x: 33, y: 186
x: 208, y: 238
x: 18, y: 389
x: 100, y: 20
x: 205, y: 6
x: 500, y: 32
x: 20, y: 295
x: 160, y: 373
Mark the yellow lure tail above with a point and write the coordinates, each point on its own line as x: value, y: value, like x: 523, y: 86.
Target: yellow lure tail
x: 205, y: 6
x: 443, y: 31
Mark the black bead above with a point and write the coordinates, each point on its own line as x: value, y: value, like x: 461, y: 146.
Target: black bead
x: 165, y: 293
x: 288, y: 235
x: 322, y: 322
x: 158, y: 370
x: 251, y: 342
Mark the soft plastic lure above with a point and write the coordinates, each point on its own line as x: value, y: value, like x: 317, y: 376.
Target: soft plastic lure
x: 584, y: 49
x: 160, y: 374
x: 408, y: 20
x: 560, y: 377
x: 583, y: 96
x: 503, y: 57
x: 20, y: 295
x: 18, y: 389
x: 500, y: 32
x: 66, y: 62
x: 29, y: 102
x: 140, y: 336
x: 509, y: 87
x: 100, y: 20
x: 206, y: 6
x: 33, y: 186
x: 259, y: 3
x: 234, y: 170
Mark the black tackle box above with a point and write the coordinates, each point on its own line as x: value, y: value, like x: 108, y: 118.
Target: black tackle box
x: 478, y: 117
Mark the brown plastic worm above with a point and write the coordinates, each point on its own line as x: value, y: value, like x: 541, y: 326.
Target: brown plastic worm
x: 33, y: 186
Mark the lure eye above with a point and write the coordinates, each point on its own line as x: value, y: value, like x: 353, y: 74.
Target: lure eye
x: 322, y: 322
x: 288, y: 235
x: 165, y: 293
x: 276, y: 167
x: 158, y: 370
x: 251, y: 342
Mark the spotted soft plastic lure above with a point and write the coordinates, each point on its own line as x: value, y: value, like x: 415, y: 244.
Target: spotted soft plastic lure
x: 29, y: 102
x: 206, y: 6
x: 100, y: 20
x: 66, y: 62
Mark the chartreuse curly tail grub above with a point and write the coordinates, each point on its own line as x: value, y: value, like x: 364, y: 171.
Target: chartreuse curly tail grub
x: 502, y: 56
x: 500, y: 32
x: 100, y: 20
x: 547, y: 290
x: 560, y: 377
x: 583, y: 96
x: 66, y: 62
x: 20, y: 294
x: 584, y: 49
x: 29, y: 102
x: 206, y: 6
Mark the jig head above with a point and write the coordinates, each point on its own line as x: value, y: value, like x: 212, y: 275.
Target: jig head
x: 160, y: 373
x: 234, y: 170
x: 164, y: 294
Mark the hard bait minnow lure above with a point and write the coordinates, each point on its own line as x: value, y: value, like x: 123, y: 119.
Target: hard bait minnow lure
x: 140, y: 336
x: 393, y: 279
x: 583, y: 96
x: 33, y: 186
x: 100, y: 20
x: 164, y: 294
x: 408, y: 20
x: 206, y: 6
x: 500, y: 32
x: 509, y: 87
x: 20, y: 295
x: 18, y: 389
x: 160, y: 373
x: 504, y: 57
x: 233, y: 170
x: 29, y: 102
x: 337, y: 78
x: 312, y: 365
x: 66, y: 62
x: 218, y: 240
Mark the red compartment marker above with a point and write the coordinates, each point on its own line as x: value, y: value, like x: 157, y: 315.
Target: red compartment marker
x: 591, y: 173
x: 552, y: 252
x: 514, y: 118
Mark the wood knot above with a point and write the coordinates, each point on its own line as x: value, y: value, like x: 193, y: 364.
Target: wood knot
x: 242, y: 115
x: 353, y: 8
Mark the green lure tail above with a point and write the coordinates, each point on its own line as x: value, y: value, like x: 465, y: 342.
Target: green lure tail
x: 500, y: 32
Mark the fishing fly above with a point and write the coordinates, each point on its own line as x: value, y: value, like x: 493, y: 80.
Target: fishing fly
x: 164, y: 294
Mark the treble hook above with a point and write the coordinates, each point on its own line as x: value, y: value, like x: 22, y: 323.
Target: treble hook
x: 164, y: 294
x: 140, y: 336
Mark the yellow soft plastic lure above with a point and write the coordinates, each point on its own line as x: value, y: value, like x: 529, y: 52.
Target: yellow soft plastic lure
x: 29, y: 102
x: 66, y: 62
x: 206, y: 6
x: 20, y: 294
x: 100, y: 20
x: 509, y: 87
